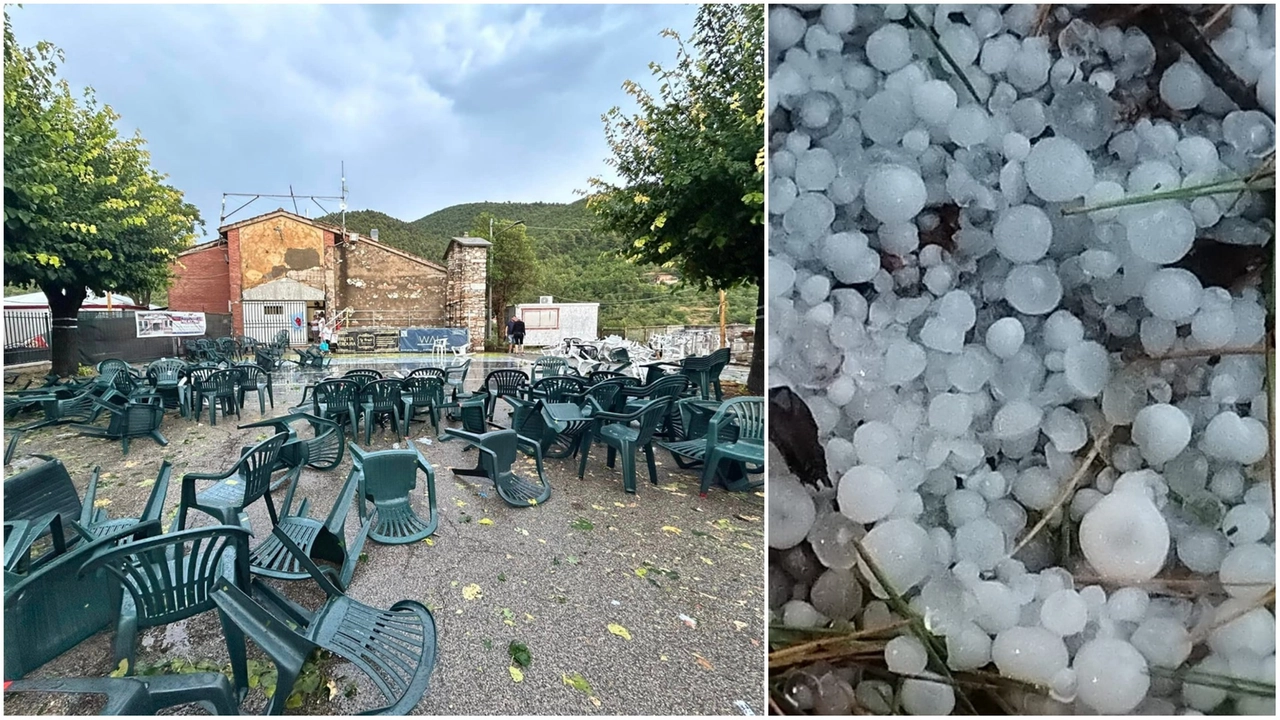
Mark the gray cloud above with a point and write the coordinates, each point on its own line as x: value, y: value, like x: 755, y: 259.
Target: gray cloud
x: 428, y: 105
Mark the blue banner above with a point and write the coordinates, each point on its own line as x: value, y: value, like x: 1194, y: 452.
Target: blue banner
x: 424, y: 339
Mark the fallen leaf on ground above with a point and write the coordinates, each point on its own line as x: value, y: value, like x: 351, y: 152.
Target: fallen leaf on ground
x: 101, y: 502
x: 485, y: 521
x: 516, y: 674
x: 594, y: 700
x: 671, y: 529
x: 471, y: 592
x: 429, y: 542
x: 577, y: 682
x: 620, y: 631
x: 460, y: 503
x: 703, y: 662
x: 705, y: 560
x: 642, y: 571
x: 121, y: 670
x: 332, y: 685
x: 618, y: 504
x: 738, y: 624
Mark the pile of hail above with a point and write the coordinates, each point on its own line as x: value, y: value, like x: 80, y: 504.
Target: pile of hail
x: 981, y: 346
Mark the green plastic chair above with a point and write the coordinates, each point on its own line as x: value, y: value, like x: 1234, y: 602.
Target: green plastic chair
x: 135, y: 419
x: 503, y: 383
x: 456, y: 377
x: 321, y: 450
x: 325, y: 541
x: 554, y: 389
x: 311, y: 356
x: 395, y: 648
x: 362, y: 376
x: 336, y: 400
x: 379, y: 398
x: 63, y: 406
x: 171, y: 577
x: 255, y: 378
x: 141, y: 696
x: 497, y: 456
x: 747, y: 415
x: 545, y: 367
x: 53, y: 608
x: 689, y: 449
x: 719, y: 359
x: 15, y: 435
x: 430, y: 372
x: 422, y: 392
x: 48, y: 488
x: 615, y: 431
x: 670, y: 386
x: 222, y: 387
x: 386, y: 479
x: 236, y: 488
x: 166, y: 376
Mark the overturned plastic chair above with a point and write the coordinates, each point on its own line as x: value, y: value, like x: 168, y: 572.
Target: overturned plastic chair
x: 746, y: 450
x: 321, y: 451
x: 236, y: 488
x: 497, y: 456
x: 48, y: 488
x: 141, y: 695
x: 318, y: 540
x: 137, y: 418
x: 395, y: 648
x: 387, y: 478
x: 171, y: 577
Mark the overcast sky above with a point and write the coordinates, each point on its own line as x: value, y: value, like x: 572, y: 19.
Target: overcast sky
x: 429, y: 106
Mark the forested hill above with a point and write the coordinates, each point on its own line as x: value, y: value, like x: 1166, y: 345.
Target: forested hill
x: 575, y: 263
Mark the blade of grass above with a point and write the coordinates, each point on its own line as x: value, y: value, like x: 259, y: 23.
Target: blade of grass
x: 1214, y: 680
x: 1066, y: 491
x: 1265, y: 181
x: 937, y: 42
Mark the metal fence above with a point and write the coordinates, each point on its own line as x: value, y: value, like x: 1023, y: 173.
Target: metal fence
x: 102, y: 335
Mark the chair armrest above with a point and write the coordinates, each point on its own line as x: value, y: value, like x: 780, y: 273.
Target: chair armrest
x: 307, y: 563
x: 155, y: 503
x: 90, y: 495
x: 282, y: 643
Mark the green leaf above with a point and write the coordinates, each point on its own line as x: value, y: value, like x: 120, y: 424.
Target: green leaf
x: 582, y: 524
x: 294, y: 701
x: 520, y: 654
x: 577, y: 682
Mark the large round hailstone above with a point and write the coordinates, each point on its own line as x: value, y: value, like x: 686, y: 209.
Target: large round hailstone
x: 1243, y: 524
x: 1241, y: 625
x: 1124, y: 537
x: 877, y: 443
x: 1161, y: 431
x: 809, y: 217
x: 1058, y: 170
x: 1181, y: 86
x: 1064, y: 613
x: 1018, y: 418
x: 1231, y: 437
x: 1032, y: 654
x: 981, y: 542
x: 1173, y: 294
x: 950, y: 414
x: 791, y: 512
x: 894, y: 194
x: 1033, y: 289
x: 1023, y: 234
x: 927, y: 697
x: 905, y: 655
x: 1160, y: 233
x: 889, y: 48
x: 901, y: 550
x: 903, y: 362
x: 867, y: 494
x: 969, y: 126
x: 1163, y: 641
x: 934, y: 101
x: 837, y: 594
x: 849, y: 258
x: 1087, y: 368
x: 1004, y: 337
x: 886, y: 117
x: 1084, y: 113
x: 1111, y: 675
x: 1248, y: 571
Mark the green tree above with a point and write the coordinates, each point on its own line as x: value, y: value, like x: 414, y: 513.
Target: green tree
x: 691, y: 161
x: 513, y: 272
x: 83, y: 208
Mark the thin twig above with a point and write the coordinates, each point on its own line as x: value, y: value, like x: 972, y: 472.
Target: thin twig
x: 937, y: 42
x: 1268, y: 165
x: 1207, y: 27
x: 1206, y: 352
x: 1203, y: 633
x: 1043, y: 11
x: 1179, y: 27
x: 1066, y: 491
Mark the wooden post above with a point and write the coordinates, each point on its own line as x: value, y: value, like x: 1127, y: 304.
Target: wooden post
x: 108, y: 301
x: 724, y: 306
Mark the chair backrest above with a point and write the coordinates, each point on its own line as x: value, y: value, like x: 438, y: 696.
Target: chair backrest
x: 363, y: 372
x: 606, y: 392
x: 654, y: 412
x: 337, y: 392
x: 252, y: 373
x: 281, y: 339
x: 457, y: 374
x: 256, y: 466
x: 696, y: 363
x: 503, y: 444
x: 112, y: 364
x: 430, y: 372
x: 748, y: 414
x: 619, y: 355
x: 596, y: 376
x: 227, y: 346
x: 223, y: 382
x: 166, y: 370
x: 547, y: 366
x: 505, y: 382
x: 384, y: 394
x: 719, y: 359
x: 556, y: 387
x: 388, y: 474
x: 424, y: 389
x: 671, y: 386
x: 42, y: 489
x: 171, y: 577
x: 199, y: 375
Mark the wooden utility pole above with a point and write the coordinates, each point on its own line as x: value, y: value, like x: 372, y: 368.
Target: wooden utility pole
x: 724, y: 306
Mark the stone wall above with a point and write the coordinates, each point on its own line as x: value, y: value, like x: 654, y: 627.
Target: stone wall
x: 389, y: 288
x: 468, y: 274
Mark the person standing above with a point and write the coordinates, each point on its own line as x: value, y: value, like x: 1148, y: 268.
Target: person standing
x: 510, y: 328
x: 517, y: 334
x: 317, y: 326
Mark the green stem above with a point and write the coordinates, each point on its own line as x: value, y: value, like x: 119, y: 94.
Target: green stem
x: 1220, y: 187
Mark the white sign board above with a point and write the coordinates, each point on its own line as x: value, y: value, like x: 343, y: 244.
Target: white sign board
x: 169, y: 324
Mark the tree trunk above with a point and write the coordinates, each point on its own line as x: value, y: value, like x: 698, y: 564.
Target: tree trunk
x: 64, y: 346
x: 755, y: 380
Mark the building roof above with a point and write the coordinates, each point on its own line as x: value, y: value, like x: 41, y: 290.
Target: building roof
x: 201, y: 247
x: 471, y: 241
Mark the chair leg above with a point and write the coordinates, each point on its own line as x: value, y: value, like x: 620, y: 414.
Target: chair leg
x: 709, y: 472
x: 124, y: 444
x: 653, y: 467
x: 368, y: 427
x: 262, y: 403
x: 585, y: 449
x: 155, y: 435
x: 236, y: 648
x: 629, y: 471
x: 395, y: 422
x: 613, y: 454
x: 126, y: 635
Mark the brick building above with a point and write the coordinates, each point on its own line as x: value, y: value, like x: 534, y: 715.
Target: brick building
x: 274, y: 271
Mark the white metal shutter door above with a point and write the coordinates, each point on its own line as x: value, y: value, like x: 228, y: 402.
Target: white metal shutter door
x: 264, y: 318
